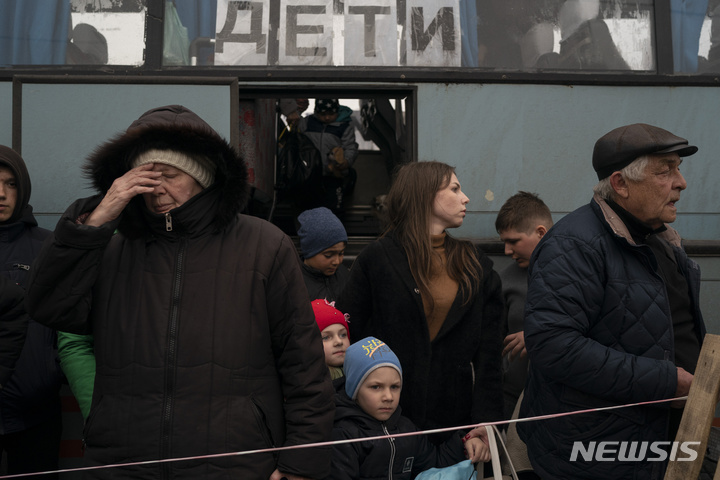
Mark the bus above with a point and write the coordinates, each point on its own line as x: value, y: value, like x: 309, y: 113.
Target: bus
x: 513, y: 93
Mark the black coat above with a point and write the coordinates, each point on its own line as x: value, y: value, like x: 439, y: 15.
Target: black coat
x: 397, y: 458
x: 204, y: 337
x: 456, y: 379
x: 321, y: 286
x: 31, y: 395
x: 13, y: 326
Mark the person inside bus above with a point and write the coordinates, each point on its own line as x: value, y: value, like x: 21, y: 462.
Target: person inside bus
x: 514, y: 34
x: 435, y: 299
x: 322, y: 248
x: 612, y: 312
x: 331, y: 131
x: 585, y: 40
x: 30, y: 408
x: 204, y: 339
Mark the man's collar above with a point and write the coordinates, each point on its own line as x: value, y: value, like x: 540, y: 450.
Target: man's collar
x: 639, y: 230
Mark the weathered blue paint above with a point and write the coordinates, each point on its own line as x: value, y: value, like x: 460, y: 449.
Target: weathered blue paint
x: 505, y: 138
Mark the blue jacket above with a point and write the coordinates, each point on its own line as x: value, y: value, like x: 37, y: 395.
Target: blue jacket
x: 598, y: 332
x: 325, y: 137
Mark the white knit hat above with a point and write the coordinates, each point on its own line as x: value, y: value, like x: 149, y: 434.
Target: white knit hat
x: 198, y: 167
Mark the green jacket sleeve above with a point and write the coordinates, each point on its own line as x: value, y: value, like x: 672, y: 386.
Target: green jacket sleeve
x: 77, y: 360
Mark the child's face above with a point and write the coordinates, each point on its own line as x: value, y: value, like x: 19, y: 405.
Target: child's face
x: 328, y: 260
x: 520, y: 245
x: 327, y: 117
x: 335, y: 342
x: 380, y: 393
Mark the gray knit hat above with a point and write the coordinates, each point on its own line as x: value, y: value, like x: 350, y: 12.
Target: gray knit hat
x: 319, y: 229
x: 200, y: 168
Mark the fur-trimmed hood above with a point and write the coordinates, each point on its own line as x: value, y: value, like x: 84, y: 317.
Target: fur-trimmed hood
x: 177, y: 128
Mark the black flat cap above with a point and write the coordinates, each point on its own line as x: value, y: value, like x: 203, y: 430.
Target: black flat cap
x: 620, y: 147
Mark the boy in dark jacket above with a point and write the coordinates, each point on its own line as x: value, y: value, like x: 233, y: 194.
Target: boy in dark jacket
x: 30, y: 413
x: 368, y: 407
x: 322, y: 246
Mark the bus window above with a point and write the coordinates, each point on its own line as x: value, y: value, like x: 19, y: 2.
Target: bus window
x: 586, y: 35
x: 696, y: 35
x: 76, y: 32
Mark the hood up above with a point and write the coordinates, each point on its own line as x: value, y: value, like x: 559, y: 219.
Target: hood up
x: 172, y: 127
x: 10, y: 159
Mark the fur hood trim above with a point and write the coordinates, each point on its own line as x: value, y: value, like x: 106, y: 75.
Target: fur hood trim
x: 172, y: 127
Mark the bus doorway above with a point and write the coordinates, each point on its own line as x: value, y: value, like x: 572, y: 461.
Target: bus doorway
x: 382, y: 125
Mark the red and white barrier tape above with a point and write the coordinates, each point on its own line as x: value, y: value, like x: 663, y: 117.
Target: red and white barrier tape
x: 339, y: 442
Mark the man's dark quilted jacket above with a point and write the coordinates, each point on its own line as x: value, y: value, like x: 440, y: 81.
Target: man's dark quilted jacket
x: 598, y: 332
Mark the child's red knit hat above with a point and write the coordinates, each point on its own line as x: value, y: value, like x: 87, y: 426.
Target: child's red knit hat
x: 326, y: 314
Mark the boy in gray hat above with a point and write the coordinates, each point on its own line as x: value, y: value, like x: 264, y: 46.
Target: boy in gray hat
x: 322, y: 247
x: 612, y: 312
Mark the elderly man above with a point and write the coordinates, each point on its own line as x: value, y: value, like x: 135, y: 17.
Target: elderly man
x: 612, y: 316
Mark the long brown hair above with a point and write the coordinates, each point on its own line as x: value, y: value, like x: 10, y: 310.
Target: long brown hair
x: 409, y: 209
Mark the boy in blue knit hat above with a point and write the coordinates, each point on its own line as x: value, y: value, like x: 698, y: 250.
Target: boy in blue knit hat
x: 322, y: 247
x: 367, y: 406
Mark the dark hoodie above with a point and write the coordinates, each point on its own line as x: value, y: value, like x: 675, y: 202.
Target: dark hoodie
x: 204, y: 338
x: 395, y: 459
x: 31, y: 395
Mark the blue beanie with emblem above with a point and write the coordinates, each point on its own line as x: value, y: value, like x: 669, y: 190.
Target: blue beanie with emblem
x: 362, y: 358
x: 319, y: 229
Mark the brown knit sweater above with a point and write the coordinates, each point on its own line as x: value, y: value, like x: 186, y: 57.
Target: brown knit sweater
x: 443, y: 289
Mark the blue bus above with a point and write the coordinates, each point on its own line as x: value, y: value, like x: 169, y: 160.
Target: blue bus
x: 513, y: 93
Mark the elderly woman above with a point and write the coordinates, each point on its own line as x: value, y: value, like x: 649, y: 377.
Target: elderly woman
x: 203, y: 334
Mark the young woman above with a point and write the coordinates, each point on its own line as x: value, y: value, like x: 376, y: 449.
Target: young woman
x: 434, y: 299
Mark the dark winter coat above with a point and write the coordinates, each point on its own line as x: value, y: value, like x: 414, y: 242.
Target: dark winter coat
x: 204, y: 339
x: 13, y: 326
x: 32, y: 394
x: 455, y: 380
x: 320, y: 285
x: 598, y: 332
x: 387, y: 459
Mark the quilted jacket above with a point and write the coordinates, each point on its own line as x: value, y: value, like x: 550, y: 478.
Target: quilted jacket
x: 598, y: 333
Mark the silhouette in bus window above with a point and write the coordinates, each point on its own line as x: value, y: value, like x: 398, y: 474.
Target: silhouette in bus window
x: 514, y: 34
x: 586, y: 42
x: 86, y: 46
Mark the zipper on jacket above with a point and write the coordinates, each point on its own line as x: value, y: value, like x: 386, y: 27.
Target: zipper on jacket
x: 21, y: 266
x: 168, y: 222
x: 392, y: 452
x: 171, y: 358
